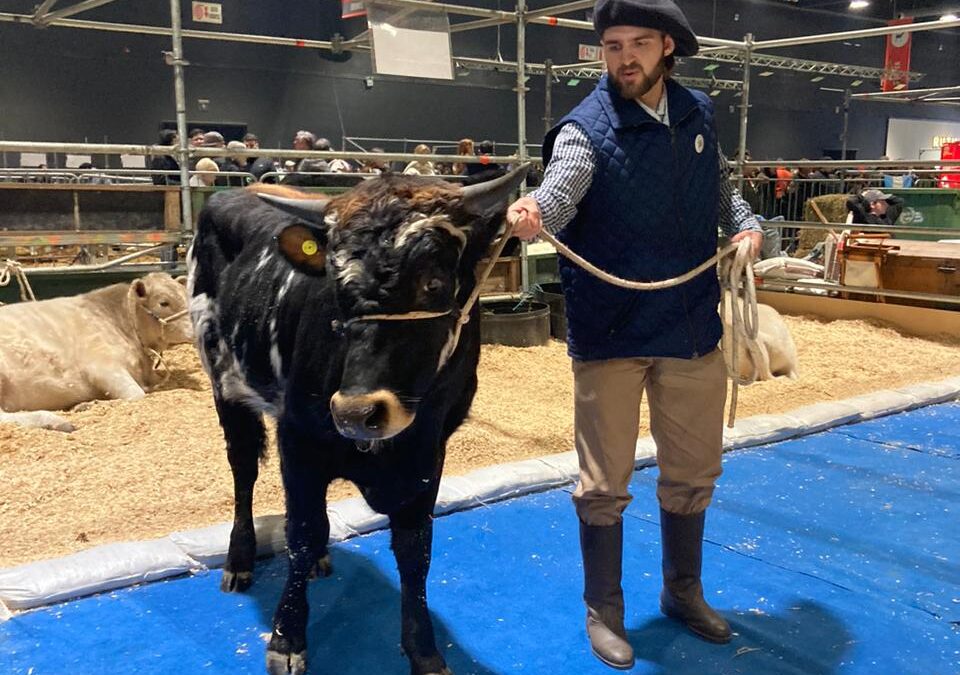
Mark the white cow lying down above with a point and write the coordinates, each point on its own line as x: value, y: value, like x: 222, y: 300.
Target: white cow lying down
x: 57, y: 353
x: 775, y: 354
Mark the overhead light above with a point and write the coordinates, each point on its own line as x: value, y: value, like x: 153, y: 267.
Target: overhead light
x: 899, y: 86
x: 710, y: 67
x: 856, y: 83
x: 818, y: 78
x: 715, y: 92
x: 859, y: 4
x: 573, y: 82
x: 949, y: 17
x: 766, y: 73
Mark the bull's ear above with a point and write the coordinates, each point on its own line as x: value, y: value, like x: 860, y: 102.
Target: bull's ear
x: 182, y: 280
x: 488, y: 198
x: 139, y: 288
x: 304, y: 247
x: 310, y: 210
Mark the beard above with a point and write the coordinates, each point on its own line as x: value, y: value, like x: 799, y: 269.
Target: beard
x: 646, y: 81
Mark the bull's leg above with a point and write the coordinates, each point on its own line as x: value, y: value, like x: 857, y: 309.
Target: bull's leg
x: 412, y: 536
x: 244, y: 433
x: 308, y: 529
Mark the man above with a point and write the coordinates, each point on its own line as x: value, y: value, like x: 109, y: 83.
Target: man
x: 636, y: 184
x: 875, y: 207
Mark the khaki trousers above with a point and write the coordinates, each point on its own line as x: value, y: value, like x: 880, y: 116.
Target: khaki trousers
x: 686, y: 398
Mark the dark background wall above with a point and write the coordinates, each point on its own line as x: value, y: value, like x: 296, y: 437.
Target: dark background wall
x: 60, y: 84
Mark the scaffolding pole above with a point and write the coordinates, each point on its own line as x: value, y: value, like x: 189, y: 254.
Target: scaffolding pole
x: 45, y: 18
x: 180, y: 100
x: 744, y: 109
x: 856, y: 34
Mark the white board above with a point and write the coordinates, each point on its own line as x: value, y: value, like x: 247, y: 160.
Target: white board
x: 410, y: 43
x: 911, y: 139
x: 74, y: 161
x: 132, y: 162
x: 31, y: 160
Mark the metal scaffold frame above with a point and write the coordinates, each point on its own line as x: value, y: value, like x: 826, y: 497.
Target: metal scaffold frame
x: 745, y: 52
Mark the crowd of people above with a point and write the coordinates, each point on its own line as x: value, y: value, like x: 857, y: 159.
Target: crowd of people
x: 308, y: 170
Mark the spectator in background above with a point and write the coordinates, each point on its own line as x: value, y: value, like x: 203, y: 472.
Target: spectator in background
x: 420, y: 167
x: 485, y: 170
x: 196, y: 137
x: 251, y: 141
x: 374, y: 165
x: 165, y: 162
x: 92, y: 178
x: 316, y: 165
x: 464, y: 147
x: 874, y: 207
x: 214, y: 139
x: 205, y: 174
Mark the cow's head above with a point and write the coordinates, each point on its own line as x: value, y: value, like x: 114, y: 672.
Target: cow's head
x: 158, y: 303
x: 401, y: 251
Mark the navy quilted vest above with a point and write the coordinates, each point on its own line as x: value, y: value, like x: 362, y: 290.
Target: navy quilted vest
x: 650, y: 214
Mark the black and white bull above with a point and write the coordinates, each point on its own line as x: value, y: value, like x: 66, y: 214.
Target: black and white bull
x: 342, y: 318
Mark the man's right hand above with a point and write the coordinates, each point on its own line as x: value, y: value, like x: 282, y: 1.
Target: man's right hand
x: 525, y: 216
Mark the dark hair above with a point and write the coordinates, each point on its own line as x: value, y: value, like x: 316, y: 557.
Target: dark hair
x: 669, y: 62
x: 321, y: 144
x: 485, y: 148
x: 166, y: 137
x: 251, y: 137
x: 85, y: 165
x: 196, y: 132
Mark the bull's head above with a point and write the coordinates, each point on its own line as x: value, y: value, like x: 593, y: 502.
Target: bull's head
x: 158, y: 305
x: 401, y: 251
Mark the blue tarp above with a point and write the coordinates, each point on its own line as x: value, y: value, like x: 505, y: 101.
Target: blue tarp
x: 838, y: 551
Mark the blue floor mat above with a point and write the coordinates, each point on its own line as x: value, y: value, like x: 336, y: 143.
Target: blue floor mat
x: 935, y: 430
x: 827, y: 553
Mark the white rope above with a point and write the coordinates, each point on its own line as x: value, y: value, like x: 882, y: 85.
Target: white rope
x: 12, y: 269
x: 743, y: 324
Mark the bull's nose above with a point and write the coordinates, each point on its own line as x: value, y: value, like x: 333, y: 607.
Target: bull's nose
x: 376, y: 415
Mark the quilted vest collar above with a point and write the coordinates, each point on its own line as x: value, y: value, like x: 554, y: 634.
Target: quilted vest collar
x: 625, y: 113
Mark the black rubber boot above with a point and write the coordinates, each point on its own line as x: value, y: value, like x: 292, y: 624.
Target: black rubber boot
x: 682, y: 596
x: 602, y: 549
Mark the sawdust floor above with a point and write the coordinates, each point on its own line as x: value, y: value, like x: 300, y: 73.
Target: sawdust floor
x: 144, y: 469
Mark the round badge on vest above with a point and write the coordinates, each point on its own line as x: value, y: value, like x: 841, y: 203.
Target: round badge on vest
x: 698, y: 143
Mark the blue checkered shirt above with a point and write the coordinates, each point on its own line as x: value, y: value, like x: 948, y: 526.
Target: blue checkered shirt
x: 570, y: 172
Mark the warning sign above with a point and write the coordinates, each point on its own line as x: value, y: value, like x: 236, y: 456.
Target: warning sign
x: 207, y: 12
x: 589, y: 53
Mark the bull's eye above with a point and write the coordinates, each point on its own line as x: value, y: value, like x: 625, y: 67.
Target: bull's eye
x: 164, y: 303
x: 434, y: 285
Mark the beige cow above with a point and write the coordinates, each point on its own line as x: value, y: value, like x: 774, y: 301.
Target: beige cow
x: 774, y: 354
x: 57, y: 353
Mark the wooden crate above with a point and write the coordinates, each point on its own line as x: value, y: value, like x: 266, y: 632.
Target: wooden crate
x: 505, y: 277
x: 878, y: 261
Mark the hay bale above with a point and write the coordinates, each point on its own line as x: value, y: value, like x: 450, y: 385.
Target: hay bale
x: 834, y: 209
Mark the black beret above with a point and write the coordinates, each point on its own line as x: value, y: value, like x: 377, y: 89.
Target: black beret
x: 663, y: 15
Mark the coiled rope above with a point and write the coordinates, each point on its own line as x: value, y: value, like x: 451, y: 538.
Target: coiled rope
x: 744, y: 324
x: 11, y: 269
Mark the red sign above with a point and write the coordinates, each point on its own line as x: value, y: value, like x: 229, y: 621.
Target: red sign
x: 352, y: 8
x: 950, y: 151
x: 897, y: 61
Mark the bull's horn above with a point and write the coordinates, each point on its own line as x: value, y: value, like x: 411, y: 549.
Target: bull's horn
x: 310, y: 210
x: 492, y: 196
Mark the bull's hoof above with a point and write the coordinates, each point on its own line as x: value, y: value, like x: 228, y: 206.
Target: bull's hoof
x: 286, y: 664
x: 323, y: 568
x: 235, y: 582
x: 443, y: 671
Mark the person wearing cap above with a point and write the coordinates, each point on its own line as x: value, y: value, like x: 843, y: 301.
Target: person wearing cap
x: 875, y: 207
x: 636, y: 184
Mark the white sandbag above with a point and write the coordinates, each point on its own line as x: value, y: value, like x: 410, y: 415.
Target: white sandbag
x: 787, y: 268
x: 4, y: 613
x: 646, y: 452
x: 513, y: 479
x: 932, y: 392
x: 93, y: 571
x: 881, y: 403
x: 758, y: 430
x: 208, y: 545
x: 351, y: 517
x: 824, y: 415
x: 564, y: 463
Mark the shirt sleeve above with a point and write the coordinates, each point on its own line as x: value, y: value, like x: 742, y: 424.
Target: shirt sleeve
x: 567, y: 178
x: 735, y: 214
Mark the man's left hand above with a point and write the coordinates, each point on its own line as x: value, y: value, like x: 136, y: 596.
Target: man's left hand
x: 755, y: 237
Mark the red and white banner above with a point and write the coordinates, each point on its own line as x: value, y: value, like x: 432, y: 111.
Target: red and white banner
x: 897, y: 61
x: 207, y: 12
x: 352, y: 8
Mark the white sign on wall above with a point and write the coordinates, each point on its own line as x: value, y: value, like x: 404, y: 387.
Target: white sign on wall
x: 918, y: 139
x: 589, y: 53
x: 207, y: 12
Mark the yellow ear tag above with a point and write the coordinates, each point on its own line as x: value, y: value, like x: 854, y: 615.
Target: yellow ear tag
x: 309, y: 247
